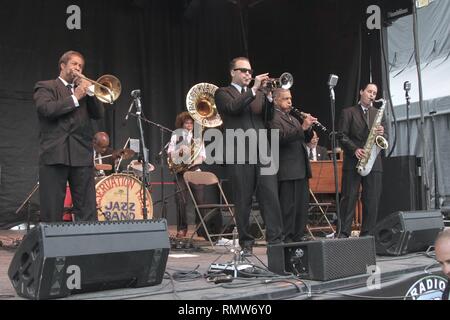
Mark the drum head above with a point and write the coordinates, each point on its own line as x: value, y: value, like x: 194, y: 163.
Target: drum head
x: 119, y: 197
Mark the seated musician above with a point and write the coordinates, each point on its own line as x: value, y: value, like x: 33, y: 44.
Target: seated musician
x: 316, y: 152
x: 105, y: 158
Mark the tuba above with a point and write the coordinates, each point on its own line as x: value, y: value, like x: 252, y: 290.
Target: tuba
x: 201, y: 105
x: 373, y: 145
x: 202, y: 108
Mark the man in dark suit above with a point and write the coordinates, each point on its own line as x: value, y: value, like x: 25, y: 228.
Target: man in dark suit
x: 66, y: 152
x: 294, y: 169
x: 316, y: 152
x: 354, y: 126
x: 245, y: 108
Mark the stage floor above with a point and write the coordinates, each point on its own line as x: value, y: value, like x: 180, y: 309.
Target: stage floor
x: 394, y: 270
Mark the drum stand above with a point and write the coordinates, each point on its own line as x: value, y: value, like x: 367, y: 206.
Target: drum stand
x: 27, y: 202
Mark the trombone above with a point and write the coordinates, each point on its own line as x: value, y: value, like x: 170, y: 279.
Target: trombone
x: 107, y: 88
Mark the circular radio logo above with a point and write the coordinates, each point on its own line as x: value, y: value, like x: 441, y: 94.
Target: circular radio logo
x: 427, y: 288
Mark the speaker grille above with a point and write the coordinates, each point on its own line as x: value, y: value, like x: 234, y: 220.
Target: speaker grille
x: 347, y: 257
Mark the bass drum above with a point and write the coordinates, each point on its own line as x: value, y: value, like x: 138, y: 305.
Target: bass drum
x: 119, y: 197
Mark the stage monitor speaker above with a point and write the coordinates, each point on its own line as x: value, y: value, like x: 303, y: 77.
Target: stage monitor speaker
x: 405, y: 232
x: 323, y: 259
x: 55, y: 260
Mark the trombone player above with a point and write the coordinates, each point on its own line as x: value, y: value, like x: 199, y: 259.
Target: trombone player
x: 65, y: 111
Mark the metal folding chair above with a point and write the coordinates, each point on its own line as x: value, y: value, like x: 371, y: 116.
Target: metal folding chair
x: 199, y: 179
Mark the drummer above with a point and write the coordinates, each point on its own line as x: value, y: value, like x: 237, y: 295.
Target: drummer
x: 105, y: 158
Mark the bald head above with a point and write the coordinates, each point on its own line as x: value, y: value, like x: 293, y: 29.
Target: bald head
x: 101, y: 142
x: 442, y: 250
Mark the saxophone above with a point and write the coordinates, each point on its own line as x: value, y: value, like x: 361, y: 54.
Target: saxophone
x: 373, y: 145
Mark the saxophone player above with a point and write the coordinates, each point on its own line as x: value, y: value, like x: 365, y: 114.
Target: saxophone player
x: 354, y: 125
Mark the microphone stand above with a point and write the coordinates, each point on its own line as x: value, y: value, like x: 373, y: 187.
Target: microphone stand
x: 437, y: 197
x: 137, y: 102
x: 408, y: 104
x: 28, y: 203
x: 162, y: 129
x: 333, y: 147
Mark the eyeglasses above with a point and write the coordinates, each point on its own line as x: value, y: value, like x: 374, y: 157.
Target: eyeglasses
x: 244, y: 70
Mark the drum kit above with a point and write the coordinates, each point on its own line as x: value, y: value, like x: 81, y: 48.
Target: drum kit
x: 119, y: 196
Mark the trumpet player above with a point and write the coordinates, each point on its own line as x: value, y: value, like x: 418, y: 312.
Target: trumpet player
x: 294, y: 168
x: 244, y: 107
x: 354, y: 127
x: 66, y: 133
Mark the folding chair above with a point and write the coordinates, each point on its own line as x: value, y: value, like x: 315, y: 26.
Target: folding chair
x: 323, y: 208
x: 199, y: 181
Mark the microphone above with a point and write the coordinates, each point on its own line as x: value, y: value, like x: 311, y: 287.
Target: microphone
x: 407, y: 86
x: 332, y: 80
x: 135, y: 94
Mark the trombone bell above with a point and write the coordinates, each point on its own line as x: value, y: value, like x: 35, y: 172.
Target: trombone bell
x: 107, y: 88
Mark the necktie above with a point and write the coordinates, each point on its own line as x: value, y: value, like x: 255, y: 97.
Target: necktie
x: 70, y: 88
x: 242, y: 90
x: 311, y: 155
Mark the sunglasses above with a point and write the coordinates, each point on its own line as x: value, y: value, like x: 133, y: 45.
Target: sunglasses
x: 244, y: 70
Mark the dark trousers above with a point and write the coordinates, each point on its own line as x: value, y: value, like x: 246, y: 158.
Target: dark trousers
x: 371, y: 191
x: 181, y: 199
x: 294, y: 201
x: 52, y: 191
x: 246, y: 180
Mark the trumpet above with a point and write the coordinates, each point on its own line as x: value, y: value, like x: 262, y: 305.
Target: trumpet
x: 303, y: 115
x: 107, y: 88
x: 285, y: 81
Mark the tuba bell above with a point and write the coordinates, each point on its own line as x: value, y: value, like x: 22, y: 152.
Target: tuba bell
x: 202, y: 108
x: 201, y: 105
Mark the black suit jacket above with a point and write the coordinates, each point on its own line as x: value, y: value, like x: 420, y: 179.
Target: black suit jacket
x: 66, y: 131
x: 294, y: 163
x: 236, y: 112
x: 354, y: 132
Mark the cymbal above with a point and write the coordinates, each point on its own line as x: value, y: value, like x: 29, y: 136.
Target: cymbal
x: 124, y: 153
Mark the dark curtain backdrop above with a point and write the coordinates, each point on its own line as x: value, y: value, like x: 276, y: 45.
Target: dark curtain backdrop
x: 164, y: 48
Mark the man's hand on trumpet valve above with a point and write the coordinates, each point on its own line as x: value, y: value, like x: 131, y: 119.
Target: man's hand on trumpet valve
x: 260, y: 80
